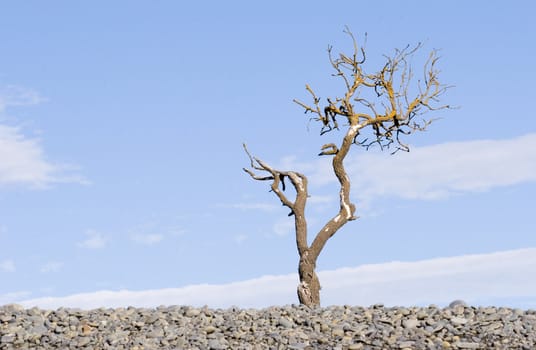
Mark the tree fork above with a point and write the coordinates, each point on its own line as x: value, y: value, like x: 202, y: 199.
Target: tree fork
x: 391, y: 88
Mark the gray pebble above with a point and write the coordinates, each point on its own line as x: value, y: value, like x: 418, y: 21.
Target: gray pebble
x: 458, y: 320
x: 457, y: 302
x: 285, y: 322
x: 467, y: 345
x: 286, y: 327
x: 7, y: 339
x: 410, y: 323
x: 406, y: 344
x: 215, y: 344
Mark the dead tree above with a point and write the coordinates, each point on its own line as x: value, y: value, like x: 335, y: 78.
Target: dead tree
x: 378, y: 109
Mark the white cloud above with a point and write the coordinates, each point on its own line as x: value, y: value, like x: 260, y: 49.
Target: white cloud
x: 442, y: 170
x: 22, y: 158
x: 433, y: 172
x: 23, y: 162
x: 52, y: 266
x: 153, y: 230
x: 7, y: 266
x: 13, y: 297
x: 12, y: 95
x: 477, y: 279
x: 95, y: 240
x: 147, y: 239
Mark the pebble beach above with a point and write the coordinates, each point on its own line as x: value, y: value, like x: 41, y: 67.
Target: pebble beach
x: 457, y: 326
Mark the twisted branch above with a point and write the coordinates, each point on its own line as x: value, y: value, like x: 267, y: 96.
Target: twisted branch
x: 392, y: 86
x: 391, y: 114
x: 298, y: 181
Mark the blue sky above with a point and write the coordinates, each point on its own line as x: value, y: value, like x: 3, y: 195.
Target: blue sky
x: 121, y: 130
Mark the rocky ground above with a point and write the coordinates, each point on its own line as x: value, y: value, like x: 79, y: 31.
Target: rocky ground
x: 291, y: 327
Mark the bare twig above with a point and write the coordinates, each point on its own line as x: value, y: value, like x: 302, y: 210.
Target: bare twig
x: 399, y: 108
x: 392, y: 114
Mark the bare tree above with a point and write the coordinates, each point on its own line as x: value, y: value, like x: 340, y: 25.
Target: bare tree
x: 389, y: 103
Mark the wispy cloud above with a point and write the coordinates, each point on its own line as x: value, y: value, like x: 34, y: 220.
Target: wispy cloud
x: 13, y: 297
x: 94, y: 240
x: 433, y: 172
x: 7, y: 266
x: 447, y: 169
x: 157, y: 228
x: 52, y: 266
x: 22, y: 158
x: 176, y: 231
x: 147, y: 239
x: 12, y: 95
x: 477, y: 279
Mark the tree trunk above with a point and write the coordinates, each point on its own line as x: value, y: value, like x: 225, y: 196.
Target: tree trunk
x: 309, y: 287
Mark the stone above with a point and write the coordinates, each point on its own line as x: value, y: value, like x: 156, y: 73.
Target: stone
x: 210, y: 329
x: 39, y: 329
x: 457, y: 302
x: 404, y: 311
x: 337, y: 332
x: 7, y: 339
x: 155, y: 333
x: 411, y: 323
x: 192, y: 312
x: 86, y: 329
x: 277, y: 327
x: 406, y: 344
x: 458, y: 320
x: 346, y: 340
x: 83, y: 341
x: 467, y: 345
x: 438, y: 326
x: 285, y: 322
x: 13, y: 308
x: 6, y: 317
x: 421, y: 315
x: 215, y: 344
x: 324, y: 327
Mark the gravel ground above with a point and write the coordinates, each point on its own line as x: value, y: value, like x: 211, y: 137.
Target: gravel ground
x: 289, y: 327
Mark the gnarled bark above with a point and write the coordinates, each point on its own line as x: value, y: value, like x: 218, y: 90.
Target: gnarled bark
x: 309, y: 286
x: 391, y: 86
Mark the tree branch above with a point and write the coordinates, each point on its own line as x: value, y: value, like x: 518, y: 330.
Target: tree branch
x: 297, y: 207
x: 378, y: 108
x: 392, y: 86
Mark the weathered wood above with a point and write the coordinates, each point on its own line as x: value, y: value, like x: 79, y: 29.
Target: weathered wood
x: 391, y: 86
